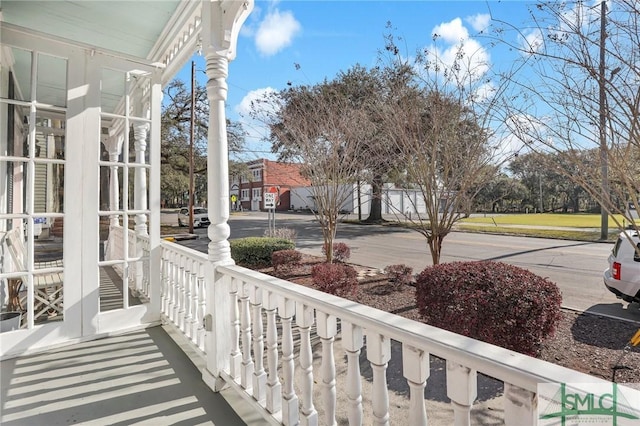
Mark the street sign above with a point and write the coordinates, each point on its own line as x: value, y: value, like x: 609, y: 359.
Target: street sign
x: 269, y: 200
x: 234, y: 198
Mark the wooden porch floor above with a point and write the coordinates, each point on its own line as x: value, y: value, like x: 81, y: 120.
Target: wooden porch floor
x: 142, y: 377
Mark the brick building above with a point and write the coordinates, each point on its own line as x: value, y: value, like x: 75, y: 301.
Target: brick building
x: 265, y: 175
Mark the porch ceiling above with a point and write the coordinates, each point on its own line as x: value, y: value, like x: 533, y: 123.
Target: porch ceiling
x: 160, y: 33
x: 131, y: 28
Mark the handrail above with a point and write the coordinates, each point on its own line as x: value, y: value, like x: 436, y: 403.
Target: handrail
x: 266, y: 333
x: 485, y: 357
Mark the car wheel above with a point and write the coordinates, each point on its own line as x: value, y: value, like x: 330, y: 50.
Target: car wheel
x: 180, y: 224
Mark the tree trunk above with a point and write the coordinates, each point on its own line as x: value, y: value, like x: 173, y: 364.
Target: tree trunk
x: 435, y: 246
x: 375, y: 213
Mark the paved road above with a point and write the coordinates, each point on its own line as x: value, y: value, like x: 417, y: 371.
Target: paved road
x: 575, y: 266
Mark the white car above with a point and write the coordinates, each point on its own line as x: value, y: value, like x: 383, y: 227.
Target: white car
x: 622, y: 277
x: 200, y: 217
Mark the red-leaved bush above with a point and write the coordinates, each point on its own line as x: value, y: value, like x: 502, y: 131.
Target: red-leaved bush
x: 341, y: 252
x: 335, y: 278
x: 285, y: 259
x: 399, y: 275
x: 490, y: 301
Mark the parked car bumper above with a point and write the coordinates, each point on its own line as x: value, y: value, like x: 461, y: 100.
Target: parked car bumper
x: 627, y: 291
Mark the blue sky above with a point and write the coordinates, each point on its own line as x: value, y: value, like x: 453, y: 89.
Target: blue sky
x: 326, y: 37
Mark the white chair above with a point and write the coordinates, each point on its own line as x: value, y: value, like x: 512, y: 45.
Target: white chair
x: 47, y: 285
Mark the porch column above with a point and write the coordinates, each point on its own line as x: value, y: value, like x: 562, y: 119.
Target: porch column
x: 217, y: 160
x: 221, y: 22
x: 140, y: 131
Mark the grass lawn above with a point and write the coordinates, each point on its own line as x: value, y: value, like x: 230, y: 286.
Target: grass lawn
x: 579, y: 220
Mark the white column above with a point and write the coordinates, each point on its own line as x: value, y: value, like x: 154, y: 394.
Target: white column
x: 221, y: 22
x: 140, y: 131
x: 155, y: 251
x: 217, y: 161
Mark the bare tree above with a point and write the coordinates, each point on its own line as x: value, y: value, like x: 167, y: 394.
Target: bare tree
x: 582, y: 93
x: 444, y: 119
x: 322, y: 130
x: 175, y: 148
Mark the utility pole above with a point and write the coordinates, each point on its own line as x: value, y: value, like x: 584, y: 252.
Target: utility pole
x: 604, y: 168
x: 191, y: 139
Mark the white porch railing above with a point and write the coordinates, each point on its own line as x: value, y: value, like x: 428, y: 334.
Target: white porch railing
x: 136, y: 255
x: 183, y: 291
x: 287, y: 339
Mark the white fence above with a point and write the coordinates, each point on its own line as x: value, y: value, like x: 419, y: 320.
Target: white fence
x: 306, y: 357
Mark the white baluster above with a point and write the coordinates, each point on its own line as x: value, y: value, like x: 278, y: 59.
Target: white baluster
x: 190, y: 280
x: 246, y: 376
x: 173, y: 274
x: 202, y: 302
x: 274, y: 389
x: 195, y: 294
x: 352, y: 343
x: 164, y: 282
x: 520, y: 406
x: 327, y: 330
x: 462, y: 389
x: 259, y: 375
x: 236, y: 355
x: 304, y: 320
x: 183, y: 291
x: 286, y: 310
x: 179, y: 290
x: 378, y: 354
x: 415, y: 368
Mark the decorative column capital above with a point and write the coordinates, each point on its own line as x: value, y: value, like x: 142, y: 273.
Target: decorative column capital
x: 217, y: 72
x: 222, y: 20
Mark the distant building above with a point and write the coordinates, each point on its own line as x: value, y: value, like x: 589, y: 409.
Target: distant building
x: 266, y: 174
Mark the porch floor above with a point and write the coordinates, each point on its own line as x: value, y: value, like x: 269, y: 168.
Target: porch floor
x: 141, y: 377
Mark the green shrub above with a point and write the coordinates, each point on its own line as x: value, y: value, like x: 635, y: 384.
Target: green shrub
x: 335, y: 278
x: 490, y: 301
x: 257, y: 251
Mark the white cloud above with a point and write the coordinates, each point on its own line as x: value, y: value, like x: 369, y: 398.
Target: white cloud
x: 253, y: 99
x: 451, y: 32
x: 276, y: 31
x: 455, y: 50
x: 479, y: 22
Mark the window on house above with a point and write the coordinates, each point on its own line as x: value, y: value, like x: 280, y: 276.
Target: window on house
x: 244, y: 195
x: 257, y: 193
